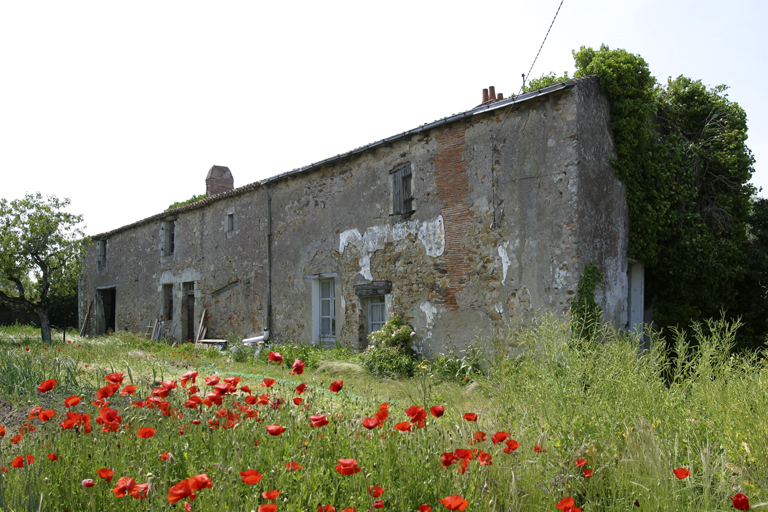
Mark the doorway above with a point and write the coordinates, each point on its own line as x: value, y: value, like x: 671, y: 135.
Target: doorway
x: 188, y: 311
x: 105, y: 310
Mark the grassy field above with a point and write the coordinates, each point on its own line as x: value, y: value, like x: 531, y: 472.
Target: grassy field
x: 599, y: 422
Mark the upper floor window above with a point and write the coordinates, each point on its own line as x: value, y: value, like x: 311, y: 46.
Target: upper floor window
x: 101, y: 247
x: 169, y: 237
x: 402, y: 194
x: 230, y: 222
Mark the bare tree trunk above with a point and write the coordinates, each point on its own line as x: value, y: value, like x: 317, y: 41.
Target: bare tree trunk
x: 45, y: 323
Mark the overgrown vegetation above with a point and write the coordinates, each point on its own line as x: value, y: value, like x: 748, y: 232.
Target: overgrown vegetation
x: 191, y: 200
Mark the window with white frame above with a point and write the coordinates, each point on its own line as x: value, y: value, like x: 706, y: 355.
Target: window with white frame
x: 377, y: 313
x: 327, y: 308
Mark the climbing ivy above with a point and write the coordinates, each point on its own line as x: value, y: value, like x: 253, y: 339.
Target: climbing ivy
x: 682, y: 154
x: 585, y: 312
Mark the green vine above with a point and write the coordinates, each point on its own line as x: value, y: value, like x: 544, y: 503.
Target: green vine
x: 585, y: 311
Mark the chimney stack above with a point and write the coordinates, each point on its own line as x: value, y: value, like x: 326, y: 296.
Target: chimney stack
x: 492, y: 93
x: 219, y: 180
x: 485, y: 95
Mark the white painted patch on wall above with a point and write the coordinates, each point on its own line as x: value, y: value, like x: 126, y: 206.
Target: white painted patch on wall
x: 504, y: 261
x: 429, y: 313
x: 431, y: 234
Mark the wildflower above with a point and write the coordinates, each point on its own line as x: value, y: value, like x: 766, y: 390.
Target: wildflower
x: 18, y: 462
x: 347, y: 467
x: 251, y: 476
x: 318, y: 420
x: 378, y: 504
x: 499, y: 437
x: 270, y: 495
x: 166, y: 455
x: 376, y: 491
x: 72, y: 401
x: 425, y: 508
x: 327, y: 508
x: 46, y: 415
x: 538, y: 449
x: 301, y: 388
x: 293, y: 466
x: 297, y: 368
x: 370, y: 423
x: 580, y: 462
x: 681, y: 473
x: 454, y: 502
x: 567, y: 505
x: 298, y: 400
x: 2, y: 431
x: 470, y: 416
x: 88, y: 482
x: 189, y: 376
x: 128, y: 390
x: 588, y: 473
x: 212, y: 380
x: 336, y: 386
x: 740, y: 502
x: 106, y: 474
x: 275, y: 430
x: 437, y: 410
x: 146, y: 432
x: 270, y: 507
x: 512, y: 445
x: 479, y: 436
x: 276, y: 357
x: 114, y: 378
x: 268, y: 383
x: 46, y: 385
x: 403, y: 426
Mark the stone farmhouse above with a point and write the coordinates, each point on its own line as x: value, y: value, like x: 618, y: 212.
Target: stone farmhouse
x: 458, y: 226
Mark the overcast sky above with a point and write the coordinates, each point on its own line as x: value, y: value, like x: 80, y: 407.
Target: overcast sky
x: 124, y: 106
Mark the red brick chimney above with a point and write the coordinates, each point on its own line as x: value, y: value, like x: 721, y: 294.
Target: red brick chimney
x: 219, y: 180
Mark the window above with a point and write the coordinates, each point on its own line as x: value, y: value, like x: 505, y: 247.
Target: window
x: 327, y: 308
x: 169, y: 237
x: 230, y: 222
x: 402, y: 197
x: 377, y: 313
x: 101, y: 246
x: 168, y: 301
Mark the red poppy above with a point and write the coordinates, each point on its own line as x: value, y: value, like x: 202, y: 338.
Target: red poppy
x: 212, y: 380
x: 270, y: 495
x: 376, y: 491
x: 454, y: 502
x: 107, y: 391
x: 327, y: 508
x: 189, y: 376
x: 16, y: 439
x: 448, y: 458
x: 114, y: 378
x: 166, y: 455
x: 276, y: 357
x: 106, y: 474
x: 470, y: 416
x: 2, y: 431
x: 297, y: 368
x: 53, y: 456
x: 124, y: 486
x: 538, y: 449
x: 46, y: 385
x: 146, y: 432
x: 512, y: 445
x: 270, y: 507
x: 180, y: 491
x: 318, y: 420
x: 485, y: 459
x: 18, y: 462
x: 275, y: 430
x: 378, y: 504
x: 72, y: 401
x: 350, y: 509
x: 251, y: 476
x: 740, y: 502
x: 588, y: 473
x: 298, y: 400
x: 681, y: 473
x: 293, y: 466
x: 499, y: 437
x: 437, y: 411
x: 336, y: 386
x: 425, y: 508
x: 88, y: 482
x: 200, y: 481
x: 128, y: 390
x: 403, y: 426
x: 370, y: 423
x: 46, y: 415
x: 268, y: 383
x: 347, y: 467
x: 479, y: 436
x: 301, y: 388
x: 580, y: 462
x: 567, y: 505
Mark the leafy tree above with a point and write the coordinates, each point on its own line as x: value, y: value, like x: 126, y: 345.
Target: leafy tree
x: 753, y: 290
x: 42, y: 251
x: 683, y: 157
x: 545, y: 80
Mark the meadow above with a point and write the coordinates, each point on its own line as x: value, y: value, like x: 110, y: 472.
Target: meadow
x: 545, y: 422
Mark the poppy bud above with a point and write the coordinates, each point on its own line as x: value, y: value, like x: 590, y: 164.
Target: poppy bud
x: 88, y: 482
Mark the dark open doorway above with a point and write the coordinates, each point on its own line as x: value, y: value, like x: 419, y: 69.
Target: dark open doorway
x: 188, y: 312
x: 106, y: 310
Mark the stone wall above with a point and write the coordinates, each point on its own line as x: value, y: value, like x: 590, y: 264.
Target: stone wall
x: 508, y: 205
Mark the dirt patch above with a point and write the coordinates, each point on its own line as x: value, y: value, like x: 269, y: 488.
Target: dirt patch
x: 11, y: 417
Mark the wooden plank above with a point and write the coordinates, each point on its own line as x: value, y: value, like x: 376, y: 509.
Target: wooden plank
x: 85, y: 320
x: 200, y: 327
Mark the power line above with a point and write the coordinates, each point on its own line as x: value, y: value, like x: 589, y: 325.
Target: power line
x: 542, y: 46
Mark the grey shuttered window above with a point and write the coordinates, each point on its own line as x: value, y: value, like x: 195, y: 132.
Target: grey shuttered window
x: 402, y: 196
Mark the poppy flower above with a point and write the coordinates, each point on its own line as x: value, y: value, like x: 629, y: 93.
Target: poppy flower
x: 403, y: 426
x: 293, y: 466
x: 270, y: 507
x: 88, y: 482
x: 107, y: 391
x: 370, y: 423
x: 146, y: 432
x: 166, y: 455
x: 298, y: 400
x: 270, y: 495
x: 538, y: 449
x: 106, y: 474
x: 425, y: 508
x: 301, y: 388
x: 512, y: 445
x: 580, y: 462
x: 124, y: 486
x: 275, y: 430
x: 588, y: 473
x: 275, y: 357
x: 268, y: 383
x: 437, y: 411
x: 740, y: 502
x: 2, y: 431
x: 454, y: 502
x: 53, y: 456
x: 336, y: 386
x: 318, y: 420
x: 347, y: 467
x: 327, y: 508
x: 46, y: 415
x: 681, y: 473
x: 72, y: 401
x: 479, y: 436
x: 297, y: 368
x: 200, y: 481
x: 350, y: 509
x: 376, y: 491
x: 485, y: 459
x: 378, y: 504
x: 567, y: 505
x: 128, y: 390
x: 251, y: 476
x: 46, y: 385
x: 114, y: 378
x: 18, y: 462
x: 189, y: 376
x: 470, y: 416
x: 499, y: 437
x: 212, y: 380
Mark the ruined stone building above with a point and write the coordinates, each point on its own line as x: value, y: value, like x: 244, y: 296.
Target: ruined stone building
x: 458, y: 226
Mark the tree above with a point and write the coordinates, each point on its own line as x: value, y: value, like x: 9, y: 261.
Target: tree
x: 42, y: 249
x: 682, y: 154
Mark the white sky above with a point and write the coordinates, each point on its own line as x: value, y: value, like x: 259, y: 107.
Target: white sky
x: 124, y: 106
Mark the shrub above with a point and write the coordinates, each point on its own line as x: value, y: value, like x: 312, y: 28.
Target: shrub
x: 383, y: 361
x: 394, y: 333
x: 239, y: 351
